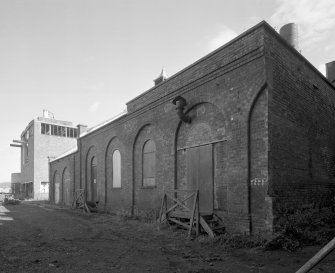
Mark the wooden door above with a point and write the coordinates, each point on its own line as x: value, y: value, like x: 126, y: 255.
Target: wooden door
x: 200, y: 175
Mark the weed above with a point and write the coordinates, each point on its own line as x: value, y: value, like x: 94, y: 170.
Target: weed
x: 234, y: 241
x: 303, y: 228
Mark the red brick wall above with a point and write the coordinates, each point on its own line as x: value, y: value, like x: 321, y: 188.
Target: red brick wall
x: 220, y: 90
x: 58, y: 167
x: 301, y: 130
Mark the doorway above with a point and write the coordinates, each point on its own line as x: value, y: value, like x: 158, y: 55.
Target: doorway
x: 199, y: 164
x: 57, y: 192
x: 94, y: 180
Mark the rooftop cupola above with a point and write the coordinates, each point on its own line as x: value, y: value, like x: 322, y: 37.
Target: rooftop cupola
x: 162, y: 77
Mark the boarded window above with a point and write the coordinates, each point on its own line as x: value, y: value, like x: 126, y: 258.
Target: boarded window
x: 116, y: 169
x: 149, y: 164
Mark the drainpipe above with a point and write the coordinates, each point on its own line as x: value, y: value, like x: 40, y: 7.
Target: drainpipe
x: 180, y: 102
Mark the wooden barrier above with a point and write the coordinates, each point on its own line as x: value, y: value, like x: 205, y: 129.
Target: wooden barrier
x: 318, y: 257
x: 79, y: 200
x: 184, y: 211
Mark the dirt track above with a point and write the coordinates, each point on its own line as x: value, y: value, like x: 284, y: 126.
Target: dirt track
x: 45, y: 238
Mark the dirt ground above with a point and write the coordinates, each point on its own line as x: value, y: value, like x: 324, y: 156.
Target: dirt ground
x: 36, y: 237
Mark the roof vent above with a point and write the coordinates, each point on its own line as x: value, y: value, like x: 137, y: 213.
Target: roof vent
x: 330, y: 72
x: 290, y: 32
x: 162, y: 77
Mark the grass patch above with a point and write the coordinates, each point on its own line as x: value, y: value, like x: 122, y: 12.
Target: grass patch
x: 234, y: 241
x: 303, y: 228
x: 294, y: 231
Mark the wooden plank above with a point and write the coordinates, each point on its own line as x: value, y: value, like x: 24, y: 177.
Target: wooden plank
x: 173, y: 191
x: 318, y: 257
x: 182, y: 201
x: 197, y: 229
x: 183, y: 214
x: 180, y: 214
x: 192, y: 215
x: 206, y: 227
x: 86, y: 208
x: 162, y: 210
x: 179, y: 223
x: 202, y: 144
x: 177, y: 201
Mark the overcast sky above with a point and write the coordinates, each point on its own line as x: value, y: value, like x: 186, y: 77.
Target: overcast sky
x: 84, y: 59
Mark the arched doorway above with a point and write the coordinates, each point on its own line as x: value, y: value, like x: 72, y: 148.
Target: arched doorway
x: 259, y: 205
x: 66, y: 187
x: 57, y: 191
x: 199, y: 165
x: 200, y: 156
x: 94, y: 191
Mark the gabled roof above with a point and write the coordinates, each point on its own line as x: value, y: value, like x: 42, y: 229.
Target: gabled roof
x: 68, y: 152
x: 102, y: 124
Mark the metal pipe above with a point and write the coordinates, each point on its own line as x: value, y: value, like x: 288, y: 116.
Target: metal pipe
x: 180, y: 102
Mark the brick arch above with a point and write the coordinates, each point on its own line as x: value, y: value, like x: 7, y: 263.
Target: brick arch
x: 199, y: 109
x: 91, y: 153
x: 208, y: 129
x: 258, y: 179
x: 143, y: 198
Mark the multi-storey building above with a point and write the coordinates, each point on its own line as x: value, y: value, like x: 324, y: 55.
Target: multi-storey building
x: 42, y: 140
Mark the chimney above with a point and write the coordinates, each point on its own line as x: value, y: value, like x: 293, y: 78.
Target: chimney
x: 330, y: 72
x: 290, y: 33
x: 162, y: 77
x: 81, y: 129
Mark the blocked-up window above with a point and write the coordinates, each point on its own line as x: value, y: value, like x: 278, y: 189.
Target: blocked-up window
x: 116, y: 169
x: 149, y: 164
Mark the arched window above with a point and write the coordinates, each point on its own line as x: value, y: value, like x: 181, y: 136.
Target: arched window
x: 149, y: 164
x: 116, y: 169
x: 94, y: 170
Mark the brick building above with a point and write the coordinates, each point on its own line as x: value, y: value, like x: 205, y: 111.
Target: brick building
x: 43, y: 139
x: 254, y: 131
